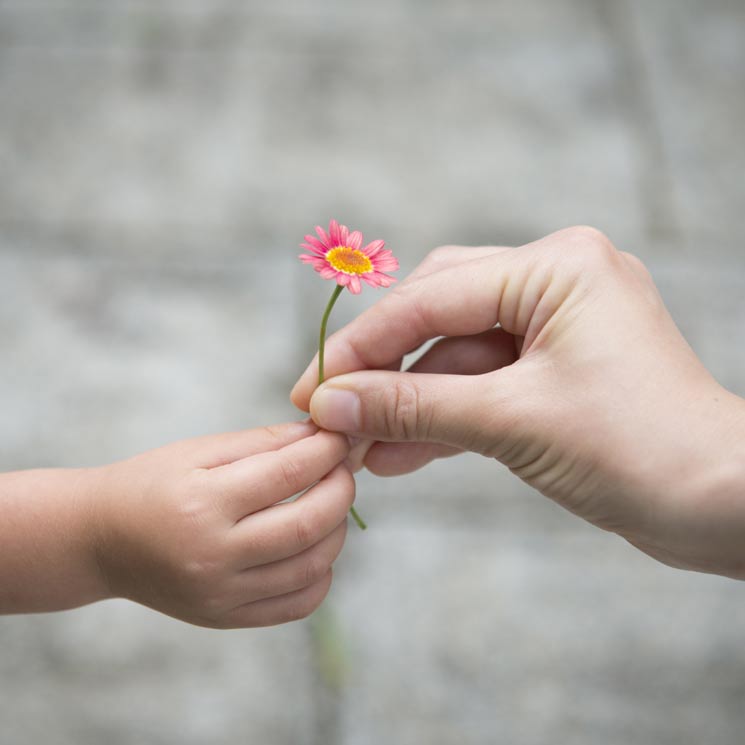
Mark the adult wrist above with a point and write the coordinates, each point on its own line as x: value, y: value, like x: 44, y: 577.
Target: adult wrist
x: 707, y: 516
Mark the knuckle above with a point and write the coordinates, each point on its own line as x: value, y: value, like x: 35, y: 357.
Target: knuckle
x: 591, y: 242
x: 202, y: 566
x: 274, y: 433
x: 403, y: 416
x: 199, y: 576
x: 194, y: 505
x: 588, y: 234
x: 436, y: 258
x: 636, y: 264
x: 299, y: 609
x: 307, y: 602
x: 441, y: 253
x: 208, y: 622
x: 290, y: 474
x: 315, y: 570
x: 213, y: 606
x: 305, y: 530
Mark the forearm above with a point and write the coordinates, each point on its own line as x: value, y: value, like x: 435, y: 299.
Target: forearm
x: 47, y: 541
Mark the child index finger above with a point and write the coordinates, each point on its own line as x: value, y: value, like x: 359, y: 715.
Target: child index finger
x: 254, y: 483
x: 211, y: 451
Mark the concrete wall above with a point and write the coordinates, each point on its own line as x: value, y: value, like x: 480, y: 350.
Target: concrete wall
x: 160, y: 160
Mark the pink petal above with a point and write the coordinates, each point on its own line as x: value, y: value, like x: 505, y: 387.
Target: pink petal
x: 313, y: 241
x: 334, y: 233
x: 354, y: 240
x: 384, y: 279
x: 316, y: 251
x: 384, y: 254
x: 384, y: 257
x: 316, y: 261
x: 322, y: 235
x: 373, y: 247
x: 386, y: 265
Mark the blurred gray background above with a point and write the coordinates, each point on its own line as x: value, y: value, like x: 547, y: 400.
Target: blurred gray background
x: 161, y: 161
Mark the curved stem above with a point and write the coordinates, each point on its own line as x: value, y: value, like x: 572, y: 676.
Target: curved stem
x: 321, y: 349
x: 322, y: 339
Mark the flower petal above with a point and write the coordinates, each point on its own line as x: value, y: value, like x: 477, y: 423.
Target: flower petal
x: 384, y: 280
x: 322, y: 235
x: 373, y: 247
x: 385, y: 257
x: 316, y: 251
x: 354, y: 240
x: 370, y: 270
x: 389, y: 264
x: 334, y: 233
x: 383, y: 254
x: 313, y: 259
x: 313, y: 241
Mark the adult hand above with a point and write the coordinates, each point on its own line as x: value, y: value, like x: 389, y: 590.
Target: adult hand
x: 560, y: 360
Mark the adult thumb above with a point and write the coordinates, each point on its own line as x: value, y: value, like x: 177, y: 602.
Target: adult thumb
x: 455, y: 410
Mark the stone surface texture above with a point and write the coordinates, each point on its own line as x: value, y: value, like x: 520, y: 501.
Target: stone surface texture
x: 161, y: 161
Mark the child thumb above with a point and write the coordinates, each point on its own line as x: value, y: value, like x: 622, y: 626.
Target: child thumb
x: 404, y: 407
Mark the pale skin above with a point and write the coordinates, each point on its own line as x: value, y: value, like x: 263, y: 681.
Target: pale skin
x: 586, y: 390
x: 198, y: 529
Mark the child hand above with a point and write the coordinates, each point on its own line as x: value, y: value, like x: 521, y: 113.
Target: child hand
x: 199, y: 530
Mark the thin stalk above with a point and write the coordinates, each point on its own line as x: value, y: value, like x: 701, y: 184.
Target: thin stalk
x: 322, y: 338
x: 321, y: 349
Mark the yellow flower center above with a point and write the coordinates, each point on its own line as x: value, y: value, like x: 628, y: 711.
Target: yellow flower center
x: 349, y: 260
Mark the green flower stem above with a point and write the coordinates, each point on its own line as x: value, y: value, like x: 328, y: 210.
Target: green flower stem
x: 321, y: 349
x: 322, y: 339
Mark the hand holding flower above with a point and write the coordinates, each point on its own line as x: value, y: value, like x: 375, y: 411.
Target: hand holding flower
x: 560, y: 360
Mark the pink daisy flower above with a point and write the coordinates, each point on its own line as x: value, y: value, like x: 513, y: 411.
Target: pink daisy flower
x: 340, y: 255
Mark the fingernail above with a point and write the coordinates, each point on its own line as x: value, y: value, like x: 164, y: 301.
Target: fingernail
x: 336, y: 409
